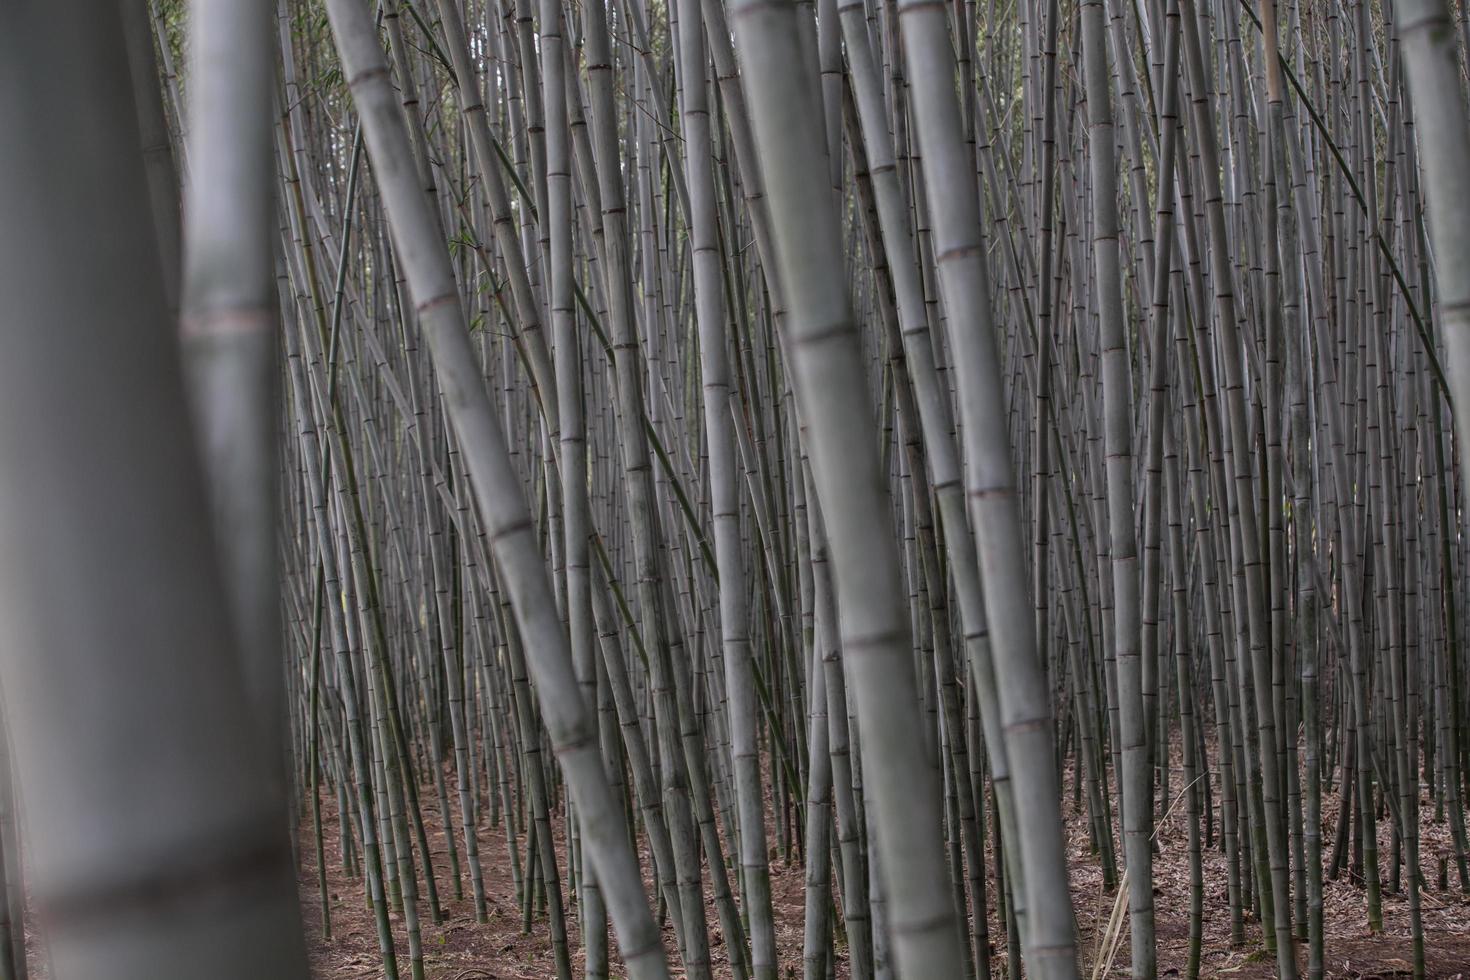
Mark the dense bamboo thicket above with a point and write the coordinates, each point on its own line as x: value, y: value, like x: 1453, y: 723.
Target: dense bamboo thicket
x: 985, y: 455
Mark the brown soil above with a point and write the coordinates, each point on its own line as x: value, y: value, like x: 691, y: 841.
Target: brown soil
x: 460, y: 949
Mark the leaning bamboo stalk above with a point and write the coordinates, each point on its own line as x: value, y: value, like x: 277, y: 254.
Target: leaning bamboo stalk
x: 496, y: 487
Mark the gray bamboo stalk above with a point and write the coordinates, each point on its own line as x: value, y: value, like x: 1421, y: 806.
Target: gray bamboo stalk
x: 720, y: 406
x: 120, y: 677
x: 1049, y: 935
x: 509, y: 529
x: 1432, y: 63
x: 934, y: 427
x: 529, y: 314
x: 228, y: 325
x: 158, y: 150
x: 1245, y: 538
x: 1134, y: 783
x: 834, y: 406
x: 557, y: 218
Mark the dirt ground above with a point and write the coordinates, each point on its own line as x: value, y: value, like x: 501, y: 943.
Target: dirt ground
x: 460, y: 949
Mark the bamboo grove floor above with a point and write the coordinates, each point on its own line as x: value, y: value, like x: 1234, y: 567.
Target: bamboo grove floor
x: 461, y: 949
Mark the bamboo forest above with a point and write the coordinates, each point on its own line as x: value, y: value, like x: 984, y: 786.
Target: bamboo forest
x: 740, y: 489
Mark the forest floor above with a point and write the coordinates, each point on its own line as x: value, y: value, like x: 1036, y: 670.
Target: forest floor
x: 461, y: 949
